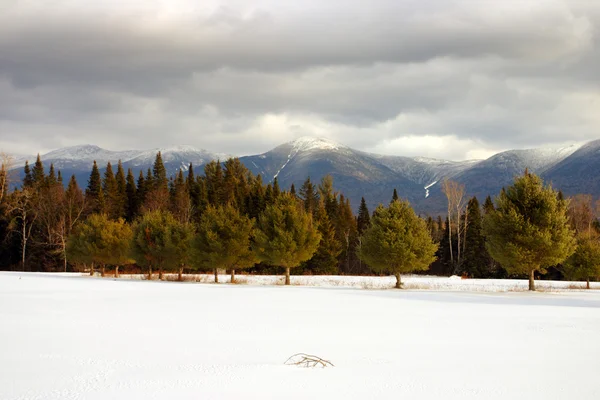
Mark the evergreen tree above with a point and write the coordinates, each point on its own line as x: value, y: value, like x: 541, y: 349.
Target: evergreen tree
x: 293, y: 190
x: 346, y: 233
x: 142, y: 190
x: 181, y: 205
x: 159, y: 173
x: 94, y: 194
x: 308, y: 193
x: 397, y: 241
x: 213, y: 174
x: 27, y: 178
x: 59, y: 178
x: 585, y: 262
x: 131, y: 196
x: 38, y: 174
x: 101, y: 241
x: 51, y: 178
x: 476, y: 259
x: 529, y: 230
x: 223, y: 240
x: 364, y: 219
x: 325, y: 259
x: 286, y: 235
x: 488, y: 206
x: 111, y: 194
x: 121, y: 199
x: 276, y: 188
x: 395, y: 195
x: 157, y: 242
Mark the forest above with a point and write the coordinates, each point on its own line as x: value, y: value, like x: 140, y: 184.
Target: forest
x: 226, y: 218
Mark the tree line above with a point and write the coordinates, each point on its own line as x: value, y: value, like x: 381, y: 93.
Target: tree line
x: 228, y: 218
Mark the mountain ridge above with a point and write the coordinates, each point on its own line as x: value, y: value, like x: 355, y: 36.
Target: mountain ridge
x: 358, y: 173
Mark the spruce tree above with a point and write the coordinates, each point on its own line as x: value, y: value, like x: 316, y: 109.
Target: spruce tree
x: 37, y: 173
x: 397, y: 241
x: 131, y: 196
x: 308, y: 193
x: 475, y: 261
x: 286, y: 235
x: 94, y: 194
x: 213, y: 174
x: 111, y: 194
x: 142, y: 190
x: 364, y: 219
x: 395, y: 195
x: 529, y: 230
x: 51, y: 178
x: 59, y: 177
x: 293, y: 190
x: 121, y: 199
x: 159, y: 173
x: 223, y: 240
x: 488, y: 205
x: 27, y: 177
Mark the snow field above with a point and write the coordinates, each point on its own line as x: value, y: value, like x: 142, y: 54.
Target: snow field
x: 453, y: 283
x: 64, y: 336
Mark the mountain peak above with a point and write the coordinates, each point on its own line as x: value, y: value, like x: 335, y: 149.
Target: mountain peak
x: 307, y: 143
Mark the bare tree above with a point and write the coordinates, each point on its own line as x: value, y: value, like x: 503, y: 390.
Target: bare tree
x: 455, y: 193
x: 6, y: 164
x: 25, y: 213
x: 581, y: 212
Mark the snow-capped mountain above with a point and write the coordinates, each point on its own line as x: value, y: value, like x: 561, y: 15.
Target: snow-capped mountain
x: 357, y: 173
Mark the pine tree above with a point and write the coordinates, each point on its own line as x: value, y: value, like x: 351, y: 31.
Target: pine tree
x: 142, y: 190
x: 585, y: 262
x: 213, y: 174
x: 159, y: 173
x: 131, y: 196
x: 51, y: 178
x: 346, y: 233
x: 325, y: 259
x: 27, y: 178
x: 94, y: 194
x: 308, y: 193
x: 111, y: 194
x: 397, y: 241
x: 476, y: 259
x: 101, y: 241
x: 121, y: 199
x: 293, y: 190
x: 158, y: 242
x: 181, y: 205
x: 59, y: 177
x: 223, y: 240
x: 488, y: 206
x: 286, y: 235
x: 364, y: 219
x: 395, y: 195
x: 38, y: 174
x: 529, y: 230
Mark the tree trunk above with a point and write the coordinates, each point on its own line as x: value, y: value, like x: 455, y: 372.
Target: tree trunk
x: 232, y: 275
x: 160, y: 274
x: 216, y: 276
x: 102, y: 271
x: 287, y: 275
x: 588, y: 283
x: 180, y: 276
x: 92, y: 269
x: 117, y: 271
x: 531, y: 281
x: 398, y: 281
x: 150, y: 273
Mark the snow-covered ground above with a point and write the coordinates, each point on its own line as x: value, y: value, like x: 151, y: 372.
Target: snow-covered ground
x: 76, y: 337
x: 453, y: 283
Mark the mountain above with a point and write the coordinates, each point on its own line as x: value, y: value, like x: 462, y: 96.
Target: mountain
x: 78, y: 160
x: 357, y: 173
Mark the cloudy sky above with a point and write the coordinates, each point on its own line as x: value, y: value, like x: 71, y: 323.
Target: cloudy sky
x: 453, y: 79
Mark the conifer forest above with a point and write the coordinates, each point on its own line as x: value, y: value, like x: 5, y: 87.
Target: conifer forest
x: 224, y: 217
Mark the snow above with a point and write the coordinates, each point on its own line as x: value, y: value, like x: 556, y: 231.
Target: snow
x: 65, y: 336
x: 308, y: 143
x: 427, y: 188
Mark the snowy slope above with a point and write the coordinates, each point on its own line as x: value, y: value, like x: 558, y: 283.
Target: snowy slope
x: 66, y: 337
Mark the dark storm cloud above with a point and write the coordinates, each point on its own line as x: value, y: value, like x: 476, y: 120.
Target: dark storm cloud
x: 242, y: 77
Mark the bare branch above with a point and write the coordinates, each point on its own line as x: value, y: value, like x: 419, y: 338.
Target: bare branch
x: 308, y: 361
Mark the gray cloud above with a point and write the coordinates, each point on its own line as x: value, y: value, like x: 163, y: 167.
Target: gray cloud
x: 240, y: 78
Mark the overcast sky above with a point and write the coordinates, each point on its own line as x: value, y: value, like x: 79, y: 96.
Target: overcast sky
x: 454, y: 79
